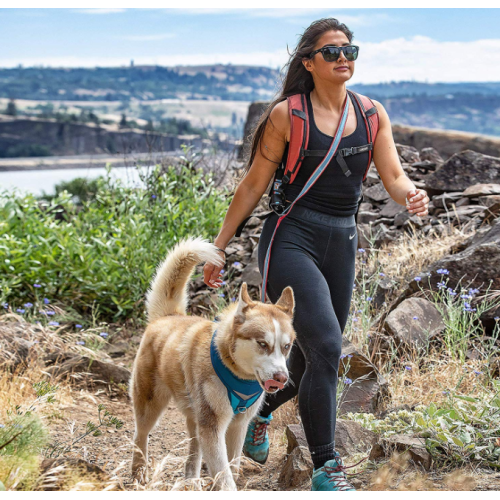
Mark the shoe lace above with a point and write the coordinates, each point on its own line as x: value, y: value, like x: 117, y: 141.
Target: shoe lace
x: 340, y: 481
x: 259, y: 433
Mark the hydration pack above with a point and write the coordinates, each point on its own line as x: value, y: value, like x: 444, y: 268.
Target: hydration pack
x: 297, y: 149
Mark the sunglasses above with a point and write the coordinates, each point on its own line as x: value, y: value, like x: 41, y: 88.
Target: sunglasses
x: 331, y: 52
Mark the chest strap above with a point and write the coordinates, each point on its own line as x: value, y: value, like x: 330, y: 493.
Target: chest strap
x: 241, y: 393
x: 341, y: 153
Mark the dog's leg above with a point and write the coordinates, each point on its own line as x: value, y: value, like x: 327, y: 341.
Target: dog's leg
x: 235, y: 437
x: 192, y: 467
x: 213, y: 446
x: 148, y: 407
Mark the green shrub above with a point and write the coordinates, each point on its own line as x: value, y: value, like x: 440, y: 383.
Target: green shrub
x: 104, y: 253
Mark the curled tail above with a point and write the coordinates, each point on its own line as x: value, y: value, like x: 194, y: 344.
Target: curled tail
x: 168, y: 291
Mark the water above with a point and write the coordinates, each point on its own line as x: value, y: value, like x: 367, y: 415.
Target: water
x: 38, y: 181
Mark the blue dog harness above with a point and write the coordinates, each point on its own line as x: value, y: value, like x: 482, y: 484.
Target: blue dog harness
x: 241, y: 393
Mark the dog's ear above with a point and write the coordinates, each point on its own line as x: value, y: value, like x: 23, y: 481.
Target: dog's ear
x: 287, y: 301
x: 244, y: 304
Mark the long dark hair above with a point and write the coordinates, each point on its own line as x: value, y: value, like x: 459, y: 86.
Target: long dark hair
x: 297, y: 79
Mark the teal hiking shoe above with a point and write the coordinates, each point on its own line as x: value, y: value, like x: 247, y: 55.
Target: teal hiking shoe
x: 331, y: 477
x: 256, y: 444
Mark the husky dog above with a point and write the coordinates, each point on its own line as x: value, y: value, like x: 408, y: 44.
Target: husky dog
x: 253, y: 340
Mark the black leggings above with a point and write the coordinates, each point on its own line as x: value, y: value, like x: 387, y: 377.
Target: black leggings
x: 315, y: 254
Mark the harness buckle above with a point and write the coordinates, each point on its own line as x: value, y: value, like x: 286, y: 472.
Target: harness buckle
x: 347, y: 151
x: 242, y: 409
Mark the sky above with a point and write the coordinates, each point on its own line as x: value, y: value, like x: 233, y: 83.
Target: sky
x: 427, y: 44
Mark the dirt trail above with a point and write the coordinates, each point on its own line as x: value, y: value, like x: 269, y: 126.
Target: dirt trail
x: 169, y: 439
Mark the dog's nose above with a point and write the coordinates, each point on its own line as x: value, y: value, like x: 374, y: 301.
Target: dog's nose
x: 281, y: 377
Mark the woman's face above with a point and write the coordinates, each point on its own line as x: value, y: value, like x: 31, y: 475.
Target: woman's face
x: 328, y: 70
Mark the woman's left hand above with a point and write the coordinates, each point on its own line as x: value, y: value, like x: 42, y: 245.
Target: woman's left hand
x: 418, y: 202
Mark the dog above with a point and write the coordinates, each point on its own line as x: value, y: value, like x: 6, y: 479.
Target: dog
x: 174, y: 362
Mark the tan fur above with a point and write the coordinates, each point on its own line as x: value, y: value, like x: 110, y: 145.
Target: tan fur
x: 173, y: 363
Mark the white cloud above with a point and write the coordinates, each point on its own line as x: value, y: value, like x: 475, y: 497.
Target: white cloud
x: 419, y: 58
x: 100, y: 11
x: 148, y: 38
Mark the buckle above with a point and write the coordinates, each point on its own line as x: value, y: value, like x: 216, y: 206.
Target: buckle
x: 347, y: 151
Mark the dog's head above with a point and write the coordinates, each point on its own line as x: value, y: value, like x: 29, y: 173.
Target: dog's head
x: 262, y: 338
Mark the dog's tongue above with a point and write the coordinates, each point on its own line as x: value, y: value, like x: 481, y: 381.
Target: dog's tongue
x: 272, y: 383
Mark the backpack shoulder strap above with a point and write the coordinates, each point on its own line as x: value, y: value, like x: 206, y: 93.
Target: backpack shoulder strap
x: 370, y: 115
x: 299, y: 135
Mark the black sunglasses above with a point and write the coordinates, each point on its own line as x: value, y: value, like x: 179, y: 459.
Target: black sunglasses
x: 331, y: 52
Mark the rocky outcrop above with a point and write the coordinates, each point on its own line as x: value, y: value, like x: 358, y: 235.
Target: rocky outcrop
x: 415, y: 447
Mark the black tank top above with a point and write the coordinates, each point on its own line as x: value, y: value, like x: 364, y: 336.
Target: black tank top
x: 333, y: 193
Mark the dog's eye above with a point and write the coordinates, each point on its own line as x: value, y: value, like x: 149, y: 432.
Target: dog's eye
x: 287, y: 346
x: 262, y: 344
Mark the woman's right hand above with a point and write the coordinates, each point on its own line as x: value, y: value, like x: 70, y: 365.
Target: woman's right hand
x: 212, y: 275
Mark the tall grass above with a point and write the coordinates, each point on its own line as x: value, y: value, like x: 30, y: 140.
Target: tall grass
x: 105, y: 251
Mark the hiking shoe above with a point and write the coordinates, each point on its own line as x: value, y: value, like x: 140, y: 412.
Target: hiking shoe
x: 331, y: 477
x: 256, y: 444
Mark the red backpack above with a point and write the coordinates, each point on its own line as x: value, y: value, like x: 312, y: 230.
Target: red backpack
x: 297, y: 149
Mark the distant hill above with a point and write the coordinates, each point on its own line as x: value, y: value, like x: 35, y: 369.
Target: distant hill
x: 471, y: 107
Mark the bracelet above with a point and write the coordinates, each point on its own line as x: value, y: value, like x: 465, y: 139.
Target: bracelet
x: 221, y: 250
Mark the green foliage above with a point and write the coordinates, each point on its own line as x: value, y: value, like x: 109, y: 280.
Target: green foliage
x: 80, y: 187
x: 106, y: 251
x: 22, y: 437
x: 465, y: 429
x: 25, y: 150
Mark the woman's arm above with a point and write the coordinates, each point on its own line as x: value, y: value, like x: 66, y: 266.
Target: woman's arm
x: 254, y: 184
x: 394, y: 178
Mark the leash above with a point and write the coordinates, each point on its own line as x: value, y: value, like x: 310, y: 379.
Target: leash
x: 314, y: 177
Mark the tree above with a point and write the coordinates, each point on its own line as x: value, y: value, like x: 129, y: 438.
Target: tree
x: 123, y: 121
x: 11, y: 108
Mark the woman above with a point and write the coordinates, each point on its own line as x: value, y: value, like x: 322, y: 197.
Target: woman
x: 314, y: 248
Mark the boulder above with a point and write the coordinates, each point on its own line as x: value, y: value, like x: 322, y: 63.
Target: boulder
x: 409, y: 154
x: 350, y: 437
x: 401, y: 443
x: 376, y: 193
x: 482, y: 190
x: 489, y: 201
x: 430, y: 154
x: 446, y: 200
x: 298, y: 468
x: 251, y: 274
x: 462, y: 170
x: 401, y: 325
x: 94, y: 369
x: 392, y: 208
x: 368, y: 386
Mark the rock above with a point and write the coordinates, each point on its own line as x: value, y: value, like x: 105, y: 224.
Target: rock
x: 446, y: 200
x: 58, y: 470
x: 98, y: 371
x: 403, y: 444
x: 368, y: 386
x: 408, y: 153
x: 365, y: 217
x: 392, y: 208
x: 295, y: 437
x: 401, y: 218
x: 462, y: 170
x: 298, y: 468
x: 494, y: 367
x: 400, y: 324
x: 382, y: 291
x: 376, y: 193
x: 251, y: 274
x: 430, y: 154
x: 464, y: 211
x: 351, y: 437
x: 117, y: 349
x: 481, y: 190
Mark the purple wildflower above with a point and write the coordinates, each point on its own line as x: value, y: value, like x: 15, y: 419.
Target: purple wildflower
x: 418, y: 278
x: 46, y: 301
x: 478, y: 372
x: 415, y: 317
x: 36, y: 285
x: 103, y: 334
x: 408, y: 368
x: 347, y: 381
x: 20, y: 311
x: 78, y: 326
x: 361, y: 250
x: 80, y: 342
x: 28, y: 305
x: 53, y: 323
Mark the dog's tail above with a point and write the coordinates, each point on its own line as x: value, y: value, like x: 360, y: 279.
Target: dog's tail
x: 168, y: 292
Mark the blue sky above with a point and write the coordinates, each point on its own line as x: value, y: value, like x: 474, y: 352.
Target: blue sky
x: 423, y: 44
